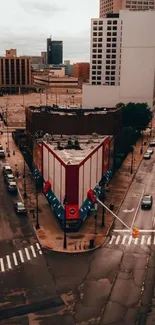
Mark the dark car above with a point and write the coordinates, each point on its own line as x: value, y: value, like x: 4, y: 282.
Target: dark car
x: 7, y: 170
x: 147, y: 155
x: 9, y: 178
x: 20, y: 208
x: 146, y: 202
x: 12, y: 187
x: 2, y: 153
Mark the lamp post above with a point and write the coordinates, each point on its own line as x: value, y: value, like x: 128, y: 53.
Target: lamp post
x: 8, y: 146
x: 24, y: 177
x: 141, y: 150
x: 65, y: 237
x: 132, y: 160
x: 37, y: 212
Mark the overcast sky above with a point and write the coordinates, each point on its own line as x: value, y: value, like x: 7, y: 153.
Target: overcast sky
x: 25, y: 25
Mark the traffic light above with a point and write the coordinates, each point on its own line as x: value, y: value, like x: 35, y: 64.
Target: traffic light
x: 91, y: 196
x: 135, y: 233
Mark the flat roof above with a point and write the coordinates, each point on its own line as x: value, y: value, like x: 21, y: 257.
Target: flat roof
x: 87, y: 144
x: 70, y: 110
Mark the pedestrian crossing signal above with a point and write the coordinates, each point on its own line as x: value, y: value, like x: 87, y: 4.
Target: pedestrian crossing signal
x: 135, y: 232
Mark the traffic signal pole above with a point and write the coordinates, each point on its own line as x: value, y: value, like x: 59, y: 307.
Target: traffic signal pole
x: 113, y: 214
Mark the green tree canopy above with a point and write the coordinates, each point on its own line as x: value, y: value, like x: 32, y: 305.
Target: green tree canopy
x: 138, y: 116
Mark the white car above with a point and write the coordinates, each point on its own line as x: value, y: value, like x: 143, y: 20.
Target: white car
x: 147, y: 155
x: 2, y: 154
x: 150, y: 150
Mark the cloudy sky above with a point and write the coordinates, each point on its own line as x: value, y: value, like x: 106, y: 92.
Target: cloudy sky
x: 25, y: 25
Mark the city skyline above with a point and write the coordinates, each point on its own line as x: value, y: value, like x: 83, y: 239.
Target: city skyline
x: 30, y: 23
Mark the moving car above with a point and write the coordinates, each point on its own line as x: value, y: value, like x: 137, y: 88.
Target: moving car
x: 20, y: 208
x: 12, y: 187
x: 147, y: 155
x: 2, y: 153
x: 7, y: 170
x: 150, y: 150
x: 9, y: 178
x: 146, y: 202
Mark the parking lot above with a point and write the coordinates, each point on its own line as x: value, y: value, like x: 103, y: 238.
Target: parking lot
x: 15, y: 104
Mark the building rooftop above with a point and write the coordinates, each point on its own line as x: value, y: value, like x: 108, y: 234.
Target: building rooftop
x: 62, y: 110
x: 80, y: 147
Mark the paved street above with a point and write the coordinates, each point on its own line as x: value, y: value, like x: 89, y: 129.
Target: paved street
x: 24, y: 277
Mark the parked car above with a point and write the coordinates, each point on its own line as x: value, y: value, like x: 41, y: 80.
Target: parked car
x: 150, y: 150
x: 147, y: 155
x: 1, y: 148
x: 20, y: 208
x: 152, y: 143
x: 146, y: 202
x: 12, y: 187
x: 7, y: 170
x: 9, y: 178
x: 2, y: 153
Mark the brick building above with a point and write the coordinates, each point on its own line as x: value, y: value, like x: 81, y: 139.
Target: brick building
x: 81, y: 71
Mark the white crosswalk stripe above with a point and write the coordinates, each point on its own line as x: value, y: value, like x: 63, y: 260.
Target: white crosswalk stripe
x: 129, y: 240
x: 16, y: 259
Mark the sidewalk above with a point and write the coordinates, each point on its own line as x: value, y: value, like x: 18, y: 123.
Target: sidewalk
x: 50, y: 235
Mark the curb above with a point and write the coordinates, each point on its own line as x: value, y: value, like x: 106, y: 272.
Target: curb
x: 68, y: 251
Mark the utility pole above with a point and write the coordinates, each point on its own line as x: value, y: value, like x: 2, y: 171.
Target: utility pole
x: 37, y: 212
x: 141, y: 150
x: 65, y: 235
x: 132, y: 161
x: 8, y: 144
x: 24, y: 176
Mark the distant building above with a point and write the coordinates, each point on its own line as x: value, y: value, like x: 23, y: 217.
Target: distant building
x: 15, y: 72
x: 68, y: 68
x: 114, y: 6
x: 44, y: 56
x: 51, y: 79
x: 11, y: 52
x: 54, y: 51
x: 81, y: 71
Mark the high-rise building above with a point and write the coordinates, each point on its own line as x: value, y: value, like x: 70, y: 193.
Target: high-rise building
x: 105, y: 50
x: 15, y: 71
x: 114, y: 6
x: 54, y: 52
x: 44, y: 56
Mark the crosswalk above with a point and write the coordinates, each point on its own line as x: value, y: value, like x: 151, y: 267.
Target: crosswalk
x: 21, y: 256
x: 128, y: 240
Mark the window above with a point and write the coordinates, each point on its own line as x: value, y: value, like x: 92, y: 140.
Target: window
x: 99, y: 56
x: 114, y: 45
x: 113, y: 62
x: 94, y: 51
x: 107, y: 73
x: 114, y: 39
x: 100, y: 34
x: 94, y: 39
x: 100, y: 45
x: 94, y: 34
x: 113, y: 56
x: 100, y: 39
x: 114, y: 22
x: 113, y: 67
x: 113, y: 50
x: 112, y: 83
x: 93, y: 66
x: 94, y: 45
x: 109, y: 22
x: 108, y: 39
x: 99, y: 78
x: 113, y: 73
x: 113, y: 78
x: 99, y: 61
x: 108, y: 51
x: 93, y: 78
x: 108, y: 33
x: 93, y: 83
x: 94, y: 56
x: 108, y: 45
x: 98, y: 73
x: 99, y: 67
x: 108, y: 56
x: 93, y: 73
x: 114, y: 27
x: 93, y: 61
x: 99, y: 50
x: 107, y: 67
x: 107, y: 61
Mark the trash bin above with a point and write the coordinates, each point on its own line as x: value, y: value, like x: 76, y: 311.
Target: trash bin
x: 91, y: 243
x: 111, y: 207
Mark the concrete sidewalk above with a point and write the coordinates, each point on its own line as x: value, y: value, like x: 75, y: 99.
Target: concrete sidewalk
x: 50, y: 235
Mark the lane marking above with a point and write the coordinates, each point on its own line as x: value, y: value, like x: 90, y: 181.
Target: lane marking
x: 21, y: 256
x: 136, y: 241
x: 15, y: 258
x: 154, y: 240
x: 8, y: 261
x: 117, y: 240
x: 27, y: 254
x: 130, y: 240
x: 124, y: 239
x: 38, y: 246
x: 40, y: 252
x: 20, y: 194
x: 2, y: 265
x: 149, y: 241
x: 135, y: 215
x: 33, y: 251
x: 140, y: 230
x: 142, y: 240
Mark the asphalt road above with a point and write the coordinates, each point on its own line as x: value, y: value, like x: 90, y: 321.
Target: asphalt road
x: 115, y: 284
x: 25, y: 282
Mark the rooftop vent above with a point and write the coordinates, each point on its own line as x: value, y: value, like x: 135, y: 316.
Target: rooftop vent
x: 77, y: 145
x: 69, y: 144
x: 59, y: 147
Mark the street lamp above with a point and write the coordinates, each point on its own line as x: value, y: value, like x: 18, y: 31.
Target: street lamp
x: 37, y: 212
x: 65, y: 235
x: 132, y: 160
x: 7, y: 130
x: 24, y: 175
x: 141, y: 150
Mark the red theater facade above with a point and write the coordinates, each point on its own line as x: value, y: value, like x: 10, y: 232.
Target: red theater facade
x: 69, y: 174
